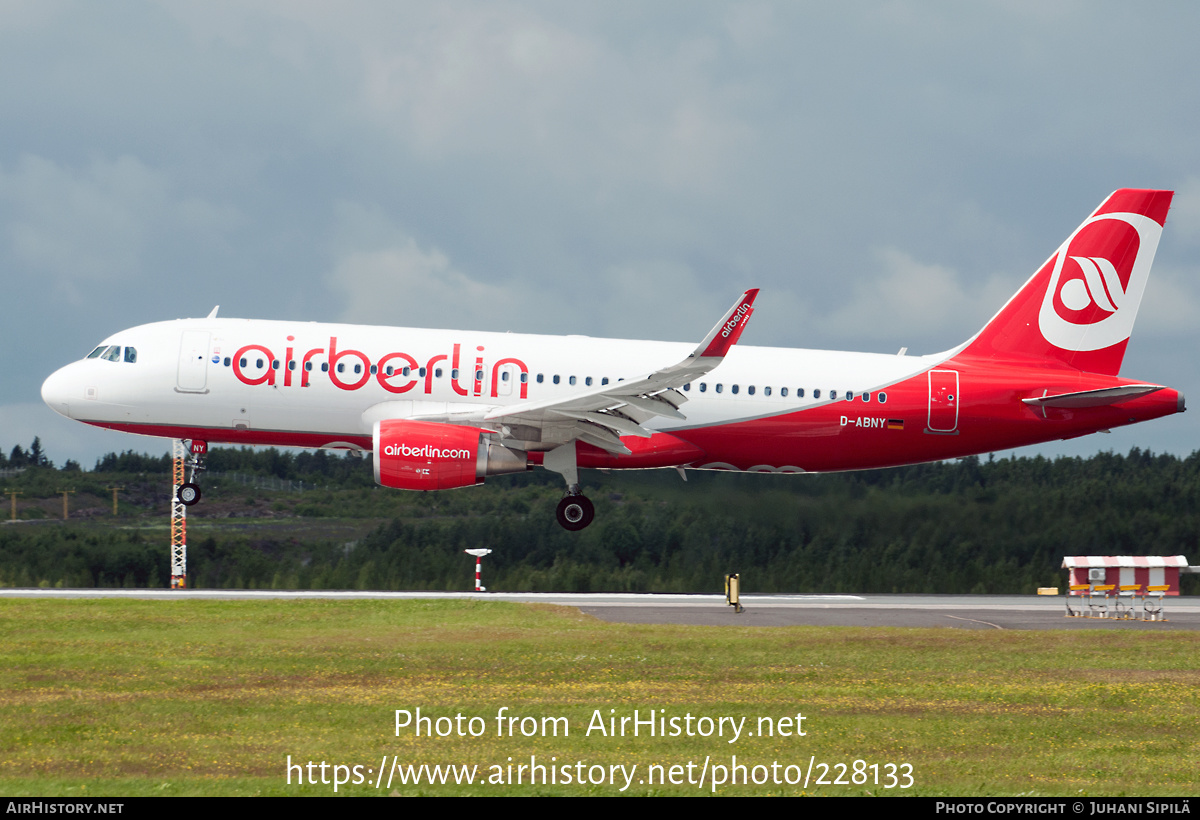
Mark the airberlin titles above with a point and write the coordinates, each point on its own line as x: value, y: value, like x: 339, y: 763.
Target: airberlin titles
x: 395, y: 372
x: 425, y: 451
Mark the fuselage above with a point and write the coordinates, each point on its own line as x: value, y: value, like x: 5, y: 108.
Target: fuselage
x: 762, y: 409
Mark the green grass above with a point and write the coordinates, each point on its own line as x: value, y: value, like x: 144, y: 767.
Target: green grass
x: 206, y: 697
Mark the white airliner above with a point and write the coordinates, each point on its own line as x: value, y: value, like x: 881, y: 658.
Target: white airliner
x: 447, y: 408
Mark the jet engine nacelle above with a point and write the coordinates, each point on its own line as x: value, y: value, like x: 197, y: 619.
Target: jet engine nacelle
x: 425, y: 455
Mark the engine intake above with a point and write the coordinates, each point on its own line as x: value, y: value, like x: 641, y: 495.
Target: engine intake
x: 426, y: 455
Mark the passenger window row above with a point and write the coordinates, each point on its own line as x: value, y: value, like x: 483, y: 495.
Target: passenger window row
x: 358, y: 368
x: 588, y: 381
x: 847, y: 395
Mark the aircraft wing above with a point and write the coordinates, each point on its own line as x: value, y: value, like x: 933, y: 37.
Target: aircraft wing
x: 601, y: 415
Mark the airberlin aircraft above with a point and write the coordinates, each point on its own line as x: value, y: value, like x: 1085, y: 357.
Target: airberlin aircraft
x: 440, y: 409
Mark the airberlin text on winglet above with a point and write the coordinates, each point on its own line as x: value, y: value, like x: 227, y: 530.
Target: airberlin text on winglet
x: 731, y: 328
x: 742, y: 310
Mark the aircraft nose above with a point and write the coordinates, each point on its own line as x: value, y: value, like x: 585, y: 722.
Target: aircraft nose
x: 55, y: 392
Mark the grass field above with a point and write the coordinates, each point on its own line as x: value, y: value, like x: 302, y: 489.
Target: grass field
x: 127, y: 698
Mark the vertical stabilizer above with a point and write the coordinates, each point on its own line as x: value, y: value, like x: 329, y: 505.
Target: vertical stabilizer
x: 1080, y: 306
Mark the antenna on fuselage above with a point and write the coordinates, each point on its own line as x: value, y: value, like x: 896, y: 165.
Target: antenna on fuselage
x: 213, y: 314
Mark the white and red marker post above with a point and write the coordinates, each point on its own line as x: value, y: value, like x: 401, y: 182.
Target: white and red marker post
x: 479, y: 553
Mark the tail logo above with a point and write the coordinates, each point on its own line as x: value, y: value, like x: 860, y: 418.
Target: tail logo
x: 1097, y: 282
x: 1101, y: 286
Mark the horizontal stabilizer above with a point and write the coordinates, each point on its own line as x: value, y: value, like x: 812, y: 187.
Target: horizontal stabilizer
x: 1094, y: 398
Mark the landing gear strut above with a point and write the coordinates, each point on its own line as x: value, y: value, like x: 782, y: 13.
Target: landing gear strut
x: 189, y: 493
x: 575, y: 511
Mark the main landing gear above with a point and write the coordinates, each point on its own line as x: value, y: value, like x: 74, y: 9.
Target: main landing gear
x: 189, y: 492
x: 575, y: 511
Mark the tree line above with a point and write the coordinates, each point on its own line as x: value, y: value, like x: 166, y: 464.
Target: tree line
x: 969, y: 526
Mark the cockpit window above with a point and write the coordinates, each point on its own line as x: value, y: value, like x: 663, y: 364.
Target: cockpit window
x: 131, y: 355
x: 113, y: 354
x: 95, y: 353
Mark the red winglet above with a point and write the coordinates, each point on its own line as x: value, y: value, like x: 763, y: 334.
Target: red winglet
x: 729, y: 329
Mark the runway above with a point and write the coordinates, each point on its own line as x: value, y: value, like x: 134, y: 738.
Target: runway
x: 951, y: 611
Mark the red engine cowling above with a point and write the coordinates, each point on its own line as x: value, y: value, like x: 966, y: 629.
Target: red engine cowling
x: 425, y: 455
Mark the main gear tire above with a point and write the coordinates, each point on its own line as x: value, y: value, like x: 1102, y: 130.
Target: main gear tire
x: 575, y: 512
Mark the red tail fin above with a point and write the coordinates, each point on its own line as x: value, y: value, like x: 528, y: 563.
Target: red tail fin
x: 1080, y: 306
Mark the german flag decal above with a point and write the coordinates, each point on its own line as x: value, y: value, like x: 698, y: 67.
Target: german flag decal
x: 895, y: 424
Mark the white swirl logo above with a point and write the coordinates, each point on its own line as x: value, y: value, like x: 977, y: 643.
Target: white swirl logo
x: 1099, y: 309
x: 1100, y: 286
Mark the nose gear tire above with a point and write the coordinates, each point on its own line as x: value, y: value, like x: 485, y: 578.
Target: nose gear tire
x: 188, y: 494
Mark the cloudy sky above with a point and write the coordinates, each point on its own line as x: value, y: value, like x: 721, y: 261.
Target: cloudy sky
x: 887, y: 172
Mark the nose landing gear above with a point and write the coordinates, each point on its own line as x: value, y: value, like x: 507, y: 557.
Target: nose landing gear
x: 189, y: 492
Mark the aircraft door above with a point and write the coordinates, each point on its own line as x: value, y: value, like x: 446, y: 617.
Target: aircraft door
x: 193, y: 361
x: 943, y: 401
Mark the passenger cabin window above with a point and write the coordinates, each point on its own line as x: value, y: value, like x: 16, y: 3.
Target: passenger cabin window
x: 882, y: 398
x: 816, y: 393
x: 783, y: 392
